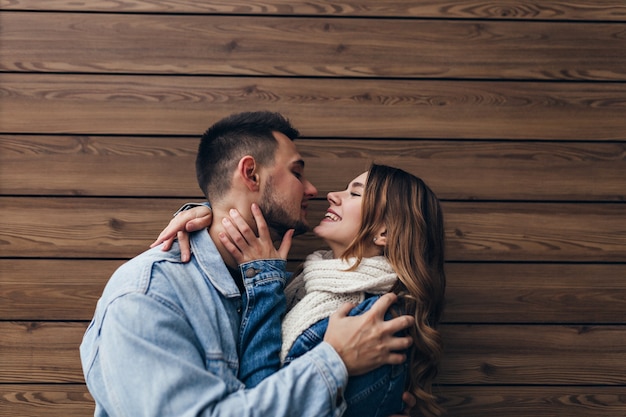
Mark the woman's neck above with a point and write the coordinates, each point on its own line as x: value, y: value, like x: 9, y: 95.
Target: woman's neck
x: 339, y: 250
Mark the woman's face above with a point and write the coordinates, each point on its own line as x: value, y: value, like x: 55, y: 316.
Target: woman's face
x: 342, y: 221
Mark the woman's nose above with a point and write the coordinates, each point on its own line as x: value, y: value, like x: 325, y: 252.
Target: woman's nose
x: 333, y: 198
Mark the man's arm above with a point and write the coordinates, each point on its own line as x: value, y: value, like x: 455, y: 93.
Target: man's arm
x: 155, y: 367
x: 367, y: 341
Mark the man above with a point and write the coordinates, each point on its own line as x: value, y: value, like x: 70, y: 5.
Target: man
x: 164, y: 339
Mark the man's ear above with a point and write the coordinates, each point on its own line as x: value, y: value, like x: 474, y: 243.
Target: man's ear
x: 248, y: 171
x: 380, y: 238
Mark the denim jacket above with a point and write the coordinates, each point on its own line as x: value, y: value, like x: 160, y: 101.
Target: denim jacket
x: 377, y: 393
x: 164, y: 342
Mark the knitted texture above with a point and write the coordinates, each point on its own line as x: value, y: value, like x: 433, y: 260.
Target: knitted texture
x: 325, y: 284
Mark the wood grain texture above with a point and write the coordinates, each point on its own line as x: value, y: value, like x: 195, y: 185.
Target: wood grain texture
x: 612, y: 10
x: 122, y: 228
x: 542, y: 231
x: 525, y: 401
x: 512, y: 112
x: 68, y: 289
x: 45, y: 400
x: 535, y: 293
x: 534, y: 354
x: 73, y: 400
x: 52, y: 289
x: 237, y: 45
x: 34, y: 352
x: 47, y: 352
x: 467, y: 170
x: 115, y: 166
x: 126, y: 105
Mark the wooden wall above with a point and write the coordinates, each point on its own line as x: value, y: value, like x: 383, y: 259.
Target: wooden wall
x: 514, y: 113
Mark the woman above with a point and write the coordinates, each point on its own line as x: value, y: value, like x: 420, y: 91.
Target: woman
x: 385, y: 233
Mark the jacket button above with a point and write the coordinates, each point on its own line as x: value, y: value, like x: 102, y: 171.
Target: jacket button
x: 250, y: 272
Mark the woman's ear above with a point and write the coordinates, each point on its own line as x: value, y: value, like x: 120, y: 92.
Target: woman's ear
x: 248, y: 172
x: 380, y: 238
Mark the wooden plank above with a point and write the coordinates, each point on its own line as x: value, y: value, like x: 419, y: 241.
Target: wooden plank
x: 52, y: 289
x: 534, y: 354
x: 523, y: 401
x: 613, y: 10
x: 542, y: 231
x: 165, y: 166
x: 535, y: 293
x: 36, y: 352
x: 39, y: 400
x: 358, y: 108
x: 74, y: 400
x: 46, y: 352
x: 82, y: 228
x: 235, y: 45
x: 122, y: 228
x: 67, y: 289
x: 98, y: 166
x: 480, y: 170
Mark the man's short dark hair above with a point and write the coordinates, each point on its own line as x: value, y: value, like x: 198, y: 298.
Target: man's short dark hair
x: 230, y: 139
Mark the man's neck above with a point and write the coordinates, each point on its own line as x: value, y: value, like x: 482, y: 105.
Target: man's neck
x: 219, y: 213
x: 231, y: 263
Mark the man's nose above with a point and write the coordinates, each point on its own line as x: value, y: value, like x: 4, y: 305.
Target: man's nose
x: 309, y: 190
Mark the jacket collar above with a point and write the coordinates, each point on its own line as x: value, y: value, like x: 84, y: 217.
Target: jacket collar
x: 211, y: 262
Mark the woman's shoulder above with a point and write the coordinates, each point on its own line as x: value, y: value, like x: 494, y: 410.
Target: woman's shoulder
x: 364, y: 305
x: 369, y: 301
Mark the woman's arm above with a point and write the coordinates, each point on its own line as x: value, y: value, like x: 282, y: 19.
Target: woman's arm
x: 189, y: 218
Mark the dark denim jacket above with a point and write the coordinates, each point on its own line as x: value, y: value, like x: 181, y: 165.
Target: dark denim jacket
x: 377, y: 393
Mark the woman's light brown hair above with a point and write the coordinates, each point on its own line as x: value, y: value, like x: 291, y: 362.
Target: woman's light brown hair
x: 412, y: 216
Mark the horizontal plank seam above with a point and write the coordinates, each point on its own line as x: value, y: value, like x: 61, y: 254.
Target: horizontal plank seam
x: 517, y: 324
x: 200, y: 199
x: 456, y: 324
x: 318, y: 77
x: 319, y: 16
x: 323, y: 138
x: 77, y: 384
x: 452, y: 261
x: 463, y: 262
x: 532, y: 385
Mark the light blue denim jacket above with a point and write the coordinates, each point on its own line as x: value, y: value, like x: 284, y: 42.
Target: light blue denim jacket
x: 164, y: 342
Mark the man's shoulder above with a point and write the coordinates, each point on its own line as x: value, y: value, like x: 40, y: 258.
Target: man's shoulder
x: 135, y: 275
x: 145, y: 261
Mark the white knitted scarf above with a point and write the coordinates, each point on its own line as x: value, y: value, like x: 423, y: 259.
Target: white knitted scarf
x: 325, y: 284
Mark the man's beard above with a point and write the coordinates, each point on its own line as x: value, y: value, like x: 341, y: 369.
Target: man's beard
x: 278, y: 221
x: 277, y: 218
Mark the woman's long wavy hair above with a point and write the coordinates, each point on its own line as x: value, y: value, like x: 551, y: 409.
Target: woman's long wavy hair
x: 412, y: 216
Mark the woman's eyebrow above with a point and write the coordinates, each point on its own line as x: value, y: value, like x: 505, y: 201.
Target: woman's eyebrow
x: 357, y: 185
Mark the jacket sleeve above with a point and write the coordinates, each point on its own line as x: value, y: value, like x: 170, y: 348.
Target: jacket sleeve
x: 156, y: 368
